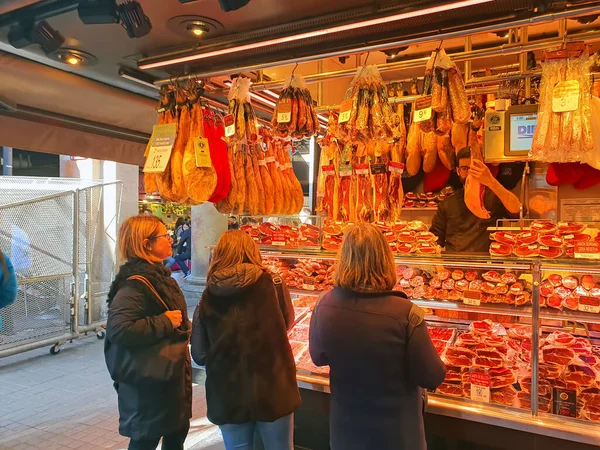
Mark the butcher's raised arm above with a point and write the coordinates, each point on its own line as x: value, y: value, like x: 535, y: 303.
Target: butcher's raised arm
x: 481, y: 173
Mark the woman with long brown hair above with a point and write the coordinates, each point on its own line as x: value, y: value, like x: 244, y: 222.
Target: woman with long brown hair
x: 239, y: 333
x: 8, y: 283
x: 378, y: 349
x: 147, y: 335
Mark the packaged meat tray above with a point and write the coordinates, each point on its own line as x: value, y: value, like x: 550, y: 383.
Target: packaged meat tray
x: 298, y: 348
x: 442, y: 334
x: 299, y: 313
x: 305, y: 363
x: 299, y: 333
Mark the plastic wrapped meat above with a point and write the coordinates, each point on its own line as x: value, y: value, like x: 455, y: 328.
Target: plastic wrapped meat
x: 305, y: 363
x: 450, y: 389
x: 502, y: 377
x: 471, y: 275
x: 527, y: 238
x: 503, y: 396
x: 492, y: 276
x: 461, y: 357
x: 570, y: 282
x: 489, y: 358
x: 558, y: 355
x: 503, y: 237
x: 498, y: 249
x: 299, y: 334
x: 550, y: 252
x: 550, y: 240
x: 508, y: 278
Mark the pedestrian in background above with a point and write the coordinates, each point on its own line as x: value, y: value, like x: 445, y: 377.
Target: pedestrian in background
x: 8, y: 283
x: 184, y: 249
x: 377, y: 346
x: 147, y: 335
x: 240, y: 335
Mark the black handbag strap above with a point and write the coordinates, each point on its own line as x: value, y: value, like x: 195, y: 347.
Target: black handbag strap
x: 278, y: 282
x: 149, y: 286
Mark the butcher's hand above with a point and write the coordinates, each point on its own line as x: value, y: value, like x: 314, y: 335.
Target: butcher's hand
x: 481, y: 173
x: 175, y: 317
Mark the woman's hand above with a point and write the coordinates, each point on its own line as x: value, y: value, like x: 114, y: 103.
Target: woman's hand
x: 175, y: 317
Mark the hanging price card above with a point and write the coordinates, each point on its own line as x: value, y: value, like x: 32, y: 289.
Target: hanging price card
x: 161, y: 145
x: 423, y: 109
x: 589, y: 304
x: 566, y: 96
x: 202, y: 152
x: 472, y: 298
x: 284, y: 113
x: 480, y: 387
x: 229, y: 122
x: 345, y: 111
x: 587, y: 250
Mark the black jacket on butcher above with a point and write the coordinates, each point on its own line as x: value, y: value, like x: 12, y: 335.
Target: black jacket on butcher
x: 380, y: 357
x: 135, y: 320
x: 240, y: 333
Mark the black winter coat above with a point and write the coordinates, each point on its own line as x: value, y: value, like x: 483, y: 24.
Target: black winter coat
x: 378, y: 364
x: 239, y: 333
x: 137, y: 319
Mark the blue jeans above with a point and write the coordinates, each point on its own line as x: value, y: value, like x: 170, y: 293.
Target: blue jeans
x: 278, y: 435
x: 181, y: 261
x: 170, y: 261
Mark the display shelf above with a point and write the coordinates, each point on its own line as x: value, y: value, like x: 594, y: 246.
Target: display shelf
x: 571, y: 316
x: 500, y: 309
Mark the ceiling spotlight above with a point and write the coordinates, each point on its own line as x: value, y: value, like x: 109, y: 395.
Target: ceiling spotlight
x: 133, y: 19
x: 21, y: 35
x: 97, y: 11
x: 393, y: 52
x: 197, y: 29
x: 26, y: 33
x: 73, y: 57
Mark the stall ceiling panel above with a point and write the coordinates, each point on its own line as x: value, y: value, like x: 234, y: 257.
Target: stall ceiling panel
x: 38, y: 86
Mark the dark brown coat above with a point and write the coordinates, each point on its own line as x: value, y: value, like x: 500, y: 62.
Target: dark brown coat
x: 240, y: 333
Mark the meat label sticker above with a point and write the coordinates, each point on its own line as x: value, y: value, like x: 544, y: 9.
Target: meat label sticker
x: 587, y: 250
x: 328, y: 170
x: 565, y: 402
x: 472, y: 298
x: 202, y: 152
x: 284, y: 113
x: 361, y: 169
x: 161, y: 145
x: 308, y: 284
x: 278, y: 239
x: 566, y: 96
x: 229, y: 122
x: 423, y: 109
x: 396, y: 167
x: 378, y: 168
x: 345, y: 111
x: 480, y: 387
x: 589, y: 304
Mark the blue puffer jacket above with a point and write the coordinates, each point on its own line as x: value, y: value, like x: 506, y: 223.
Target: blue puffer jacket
x: 8, y: 286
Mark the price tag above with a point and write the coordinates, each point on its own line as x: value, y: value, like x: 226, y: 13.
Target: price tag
x: 378, y: 168
x: 587, y: 250
x: 229, y: 122
x: 565, y: 402
x: 278, y: 239
x: 396, y: 167
x: 566, y: 96
x: 472, y: 298
x: 161, y: 145
x: 480, y: 387
x: 423, y: 109
x: 284, y: 112
x: 308, y: 284
x: 202, y: 152
x: 589, y: 304
x: 328, y: 170
x: 345, y: 111
x: 361, y: 169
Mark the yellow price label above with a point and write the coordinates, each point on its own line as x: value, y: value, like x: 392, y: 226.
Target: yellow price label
x: 566, y: 96
x: 345, y: 111
x: 284, y: 113
x: 202, y: 151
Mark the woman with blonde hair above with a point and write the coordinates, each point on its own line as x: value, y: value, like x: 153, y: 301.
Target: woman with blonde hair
x: 147, y: 335
x: 240, y: 335
x: 378, y: 349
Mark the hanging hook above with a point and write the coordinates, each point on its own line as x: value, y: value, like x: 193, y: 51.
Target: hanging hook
x: 367, y: 58
x: 295, y: 67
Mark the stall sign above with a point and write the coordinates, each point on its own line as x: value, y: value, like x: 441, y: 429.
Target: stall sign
x: 161, y: 145
x: 472, y: 298
x: 423, y: 110
x: 589, y: 304
x: 229, y: 123
x: 284, y: 112
x: 565, y: 402
x: 587, y: 250
x: 278, y: 239
x: 345, y: 111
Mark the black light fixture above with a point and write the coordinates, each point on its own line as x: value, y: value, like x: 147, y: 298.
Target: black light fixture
x: 73, y: 57
x: 586, y: 20
x: 93, y: 12
x: 136, y: 23
x: 26, y: 33
x: 232, y: 5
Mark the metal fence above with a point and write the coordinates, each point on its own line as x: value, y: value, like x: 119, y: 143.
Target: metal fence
x: 60, y: 236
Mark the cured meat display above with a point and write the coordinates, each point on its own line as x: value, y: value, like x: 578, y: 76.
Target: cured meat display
x: 307, y: 274
x: 564, y: 129
x: 570, y: 292
x: 295, y: 116
x: 544, y: 239
x: 284, y: 233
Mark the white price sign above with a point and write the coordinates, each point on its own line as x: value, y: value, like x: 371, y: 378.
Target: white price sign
x: 284, y: 113
x: 589, y: 304
x: 161, y: 145
x: 566, y: 96
x: 345, y: 111
x: 480, y: 387
x: 229, y: 122
x: 423, y: 110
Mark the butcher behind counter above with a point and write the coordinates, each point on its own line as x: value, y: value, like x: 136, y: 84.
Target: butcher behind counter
x: 461, y: 220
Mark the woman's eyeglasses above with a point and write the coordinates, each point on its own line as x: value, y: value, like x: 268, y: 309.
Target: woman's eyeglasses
x: 167, y: 235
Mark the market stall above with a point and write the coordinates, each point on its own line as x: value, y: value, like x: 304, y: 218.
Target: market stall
x: 518, y: 328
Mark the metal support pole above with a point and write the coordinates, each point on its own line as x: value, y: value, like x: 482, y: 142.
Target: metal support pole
x: 75, y: 298
x: 524, y: 40
x: 7, y: 161
x: 468, y: 63
x: 535, y: 338
x: 320, y: 66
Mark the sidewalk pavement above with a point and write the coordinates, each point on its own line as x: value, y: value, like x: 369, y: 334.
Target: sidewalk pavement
x: 67, y: 401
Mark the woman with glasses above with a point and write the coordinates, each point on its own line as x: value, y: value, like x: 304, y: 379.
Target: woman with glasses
x: 147, y: 335
x: 457, y: 228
